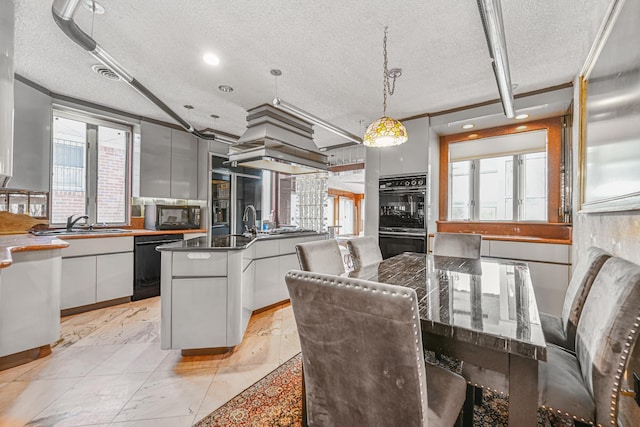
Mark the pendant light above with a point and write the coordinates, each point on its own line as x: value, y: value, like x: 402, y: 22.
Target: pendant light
x: 386, y: 131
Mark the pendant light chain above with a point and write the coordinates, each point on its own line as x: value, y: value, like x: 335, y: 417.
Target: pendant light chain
x: 386, y: 131
x: 387, y: 87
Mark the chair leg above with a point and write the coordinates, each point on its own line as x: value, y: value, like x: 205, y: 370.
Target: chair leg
x: 467, y: 409
x: 304, y: 401
x: 477, y: 400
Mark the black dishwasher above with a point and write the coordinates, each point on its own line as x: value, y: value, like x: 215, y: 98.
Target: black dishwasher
x: 146, y: 266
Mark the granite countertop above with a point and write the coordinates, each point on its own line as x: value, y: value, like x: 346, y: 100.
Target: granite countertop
x: 229, y: 242
x: 26, y: 242
x: 486, y: 302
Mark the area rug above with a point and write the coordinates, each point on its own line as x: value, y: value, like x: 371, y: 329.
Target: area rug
x: 276, y: 401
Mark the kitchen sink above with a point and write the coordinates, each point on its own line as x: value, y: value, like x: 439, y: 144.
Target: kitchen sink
x: 76, y: 231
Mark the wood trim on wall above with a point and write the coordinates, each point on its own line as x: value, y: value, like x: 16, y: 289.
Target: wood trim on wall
x: 357, y: 207
x: 554, y: 158
x: 494, y: 228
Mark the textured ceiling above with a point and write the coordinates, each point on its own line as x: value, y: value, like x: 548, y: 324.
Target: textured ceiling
x: 330, y: 53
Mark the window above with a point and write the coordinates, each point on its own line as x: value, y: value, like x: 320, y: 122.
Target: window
x: 499, y: 179
x: 90, y: 170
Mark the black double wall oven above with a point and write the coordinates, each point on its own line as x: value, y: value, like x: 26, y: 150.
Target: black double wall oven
x: 402, y: 226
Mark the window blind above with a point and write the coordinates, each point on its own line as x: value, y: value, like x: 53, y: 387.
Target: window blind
x: 498, y: 146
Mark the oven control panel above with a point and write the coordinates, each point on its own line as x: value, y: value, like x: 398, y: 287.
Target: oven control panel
x: 405, y: 182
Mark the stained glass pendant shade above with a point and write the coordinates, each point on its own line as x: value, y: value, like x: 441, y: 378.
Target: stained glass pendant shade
x: 386, y: 131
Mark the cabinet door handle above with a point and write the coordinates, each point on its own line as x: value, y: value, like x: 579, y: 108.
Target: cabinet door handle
x: 199, y: 255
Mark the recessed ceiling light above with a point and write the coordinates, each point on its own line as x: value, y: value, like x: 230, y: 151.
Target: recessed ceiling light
x: 473, y: 135
x: 521, y: 116
x: 211, y: 59
x: 467, y: 126
x: 225, y: 88
x: 521, y: 127
x: 93, y: 6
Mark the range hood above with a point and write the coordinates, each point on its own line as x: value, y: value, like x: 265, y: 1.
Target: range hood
x: 277, y: 141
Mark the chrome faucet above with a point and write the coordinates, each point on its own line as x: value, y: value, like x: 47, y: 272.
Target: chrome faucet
x: 245, y: 218
x: 71, y: 222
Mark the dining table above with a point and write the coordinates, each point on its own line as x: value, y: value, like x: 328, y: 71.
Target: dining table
x: 480, y: 311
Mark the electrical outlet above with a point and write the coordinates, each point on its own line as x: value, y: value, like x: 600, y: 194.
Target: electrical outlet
x: 636, y: 387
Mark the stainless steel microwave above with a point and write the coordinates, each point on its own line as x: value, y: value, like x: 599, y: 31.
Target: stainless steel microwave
x: 171, y: 217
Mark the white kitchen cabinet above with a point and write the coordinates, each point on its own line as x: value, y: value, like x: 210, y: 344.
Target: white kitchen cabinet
x: 30, y: 301
x: 114, y: 276
x: 550, y: 283
x: 184, y: 165
x: 32, y: 139
x: 410, y: 157
x: 549, y: 266
x: 155, y: 160
x: 78, y: 282
x: 96, y: 270
x: 267, y: 282
x: 168, y: 162
x: 199, y: 313
x: 267, y: 248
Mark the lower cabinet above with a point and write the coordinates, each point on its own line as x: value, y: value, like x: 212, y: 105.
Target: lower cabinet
x: 29, y: 301
x: 199, y: 312
x: 267, y: 282
x: 78, y: 282
x: 96, y: 270
x: 114, y: 276
x: 96, y: 278
x: 549, y: 266
x: 270, y: 286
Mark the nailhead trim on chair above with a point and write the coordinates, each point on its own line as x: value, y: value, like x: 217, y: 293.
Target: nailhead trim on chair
x: 615, y: 391
x: 338, y: 281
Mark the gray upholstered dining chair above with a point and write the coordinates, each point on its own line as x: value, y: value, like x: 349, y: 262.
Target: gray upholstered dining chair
x: 363, y: 357
x: 562, y: 330
x: 461, y: 245
x: 586, y: 385
x: 320, y: 256
x: 364, y: 251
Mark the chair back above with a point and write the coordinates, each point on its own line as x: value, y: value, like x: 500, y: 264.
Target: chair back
x: 320, y: 256
x: 583, y: 276
x: 364, y: 251
x: 607, y: 331
x: 461, y: 245
x: 361, y: 351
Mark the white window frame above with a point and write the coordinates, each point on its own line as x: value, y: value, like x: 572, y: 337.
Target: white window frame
x: 91, y: 200
x: 474, y: 190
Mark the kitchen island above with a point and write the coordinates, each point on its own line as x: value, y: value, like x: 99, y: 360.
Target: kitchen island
x: 210, y: 286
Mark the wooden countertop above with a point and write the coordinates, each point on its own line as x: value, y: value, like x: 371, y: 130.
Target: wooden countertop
x: 26, y: 242
x: 133, y: 232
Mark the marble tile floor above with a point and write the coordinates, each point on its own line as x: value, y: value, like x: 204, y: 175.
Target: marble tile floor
x: 107, y: 369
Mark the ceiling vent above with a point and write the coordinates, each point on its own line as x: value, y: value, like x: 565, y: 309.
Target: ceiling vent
x: 105, y: 72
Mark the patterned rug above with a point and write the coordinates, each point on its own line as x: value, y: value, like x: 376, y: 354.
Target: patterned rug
x: 276, y: 401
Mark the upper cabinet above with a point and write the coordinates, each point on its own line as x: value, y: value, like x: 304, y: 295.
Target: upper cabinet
x: 168, y: 162
x: 410, y: 157
x: 184, y: 165
x: 32, y: 139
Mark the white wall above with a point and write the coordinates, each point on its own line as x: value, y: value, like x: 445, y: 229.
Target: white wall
x: 409, y: 158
